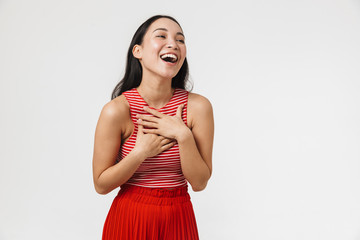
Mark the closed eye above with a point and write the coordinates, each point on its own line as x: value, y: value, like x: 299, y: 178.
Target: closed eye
x: 162, y: 36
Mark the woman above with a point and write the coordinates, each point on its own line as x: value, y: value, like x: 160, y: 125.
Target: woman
x: 152, y: 138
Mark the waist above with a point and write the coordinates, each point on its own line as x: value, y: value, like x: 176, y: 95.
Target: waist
x: 158, y: 196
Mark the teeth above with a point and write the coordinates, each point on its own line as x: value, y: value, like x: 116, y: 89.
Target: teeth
x: 169, y: 55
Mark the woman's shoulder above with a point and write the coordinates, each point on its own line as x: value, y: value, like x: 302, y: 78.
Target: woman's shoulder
x: 199, y: 108
x: 198, y: 101
x: 116, y: 110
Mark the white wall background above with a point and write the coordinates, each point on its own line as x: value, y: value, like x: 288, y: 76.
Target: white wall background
x: 284, y: 80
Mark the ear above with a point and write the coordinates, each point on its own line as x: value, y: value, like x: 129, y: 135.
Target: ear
x: 137, y: 51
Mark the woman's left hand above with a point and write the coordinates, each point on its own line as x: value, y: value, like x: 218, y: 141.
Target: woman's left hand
x: 168, y: 126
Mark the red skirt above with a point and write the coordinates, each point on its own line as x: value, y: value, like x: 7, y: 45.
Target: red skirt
x: 140, y: 213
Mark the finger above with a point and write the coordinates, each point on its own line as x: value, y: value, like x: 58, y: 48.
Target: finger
x: 152, y: 130
x: 166, y: 141
x: 140, y: 129
x: 147, y: 118
x: 179, y: 110
x: 153, y: 112
x: 167, y: 146
x: 147, y: 124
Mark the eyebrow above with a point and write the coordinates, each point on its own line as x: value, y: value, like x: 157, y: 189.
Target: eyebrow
x: 164, y: 29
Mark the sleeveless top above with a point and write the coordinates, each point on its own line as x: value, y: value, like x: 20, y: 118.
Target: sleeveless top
x: 164, y: 169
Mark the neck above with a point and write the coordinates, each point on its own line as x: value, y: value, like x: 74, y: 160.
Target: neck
x: 156, y: 92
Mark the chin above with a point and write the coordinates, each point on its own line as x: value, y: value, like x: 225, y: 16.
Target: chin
x: 168, y: 75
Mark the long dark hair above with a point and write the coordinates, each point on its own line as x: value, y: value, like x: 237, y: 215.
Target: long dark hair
x: 133, y: 69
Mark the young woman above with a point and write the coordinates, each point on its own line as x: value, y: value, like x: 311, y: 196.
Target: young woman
x: 152, y: 139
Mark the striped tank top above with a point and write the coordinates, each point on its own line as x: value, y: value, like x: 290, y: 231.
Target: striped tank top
x: 164, y: 169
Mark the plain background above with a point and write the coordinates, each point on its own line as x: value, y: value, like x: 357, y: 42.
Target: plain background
x: 284, y: 80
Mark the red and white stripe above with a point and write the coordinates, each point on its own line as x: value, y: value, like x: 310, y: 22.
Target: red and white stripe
x: 164, y: 169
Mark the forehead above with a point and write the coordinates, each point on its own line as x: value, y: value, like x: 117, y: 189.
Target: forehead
x: 166, y: 23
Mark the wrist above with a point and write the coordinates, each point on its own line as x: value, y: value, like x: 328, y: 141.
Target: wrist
x: 184, y: 135
x: 138, y: 155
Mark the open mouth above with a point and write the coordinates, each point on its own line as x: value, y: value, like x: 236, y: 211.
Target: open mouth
x: 169, y: 57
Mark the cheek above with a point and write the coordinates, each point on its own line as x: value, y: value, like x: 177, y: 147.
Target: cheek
x: 151, y: 50
x: 156, y: 46
x: 184, y: 51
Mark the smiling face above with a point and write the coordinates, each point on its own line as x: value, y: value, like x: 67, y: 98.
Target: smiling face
x: 163, y: 49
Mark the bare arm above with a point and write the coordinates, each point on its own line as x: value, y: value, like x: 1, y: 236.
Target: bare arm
x: 107, y: 174
x: 196, y: 145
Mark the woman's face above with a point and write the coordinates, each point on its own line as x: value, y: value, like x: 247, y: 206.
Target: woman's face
x: 163, y: 49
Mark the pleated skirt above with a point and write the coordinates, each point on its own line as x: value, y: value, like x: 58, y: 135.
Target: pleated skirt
x: 141, y: 213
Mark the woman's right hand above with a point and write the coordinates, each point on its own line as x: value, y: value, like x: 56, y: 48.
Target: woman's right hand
x: 149, y: 145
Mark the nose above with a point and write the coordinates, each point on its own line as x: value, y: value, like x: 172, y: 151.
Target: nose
x: 172, y: 44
